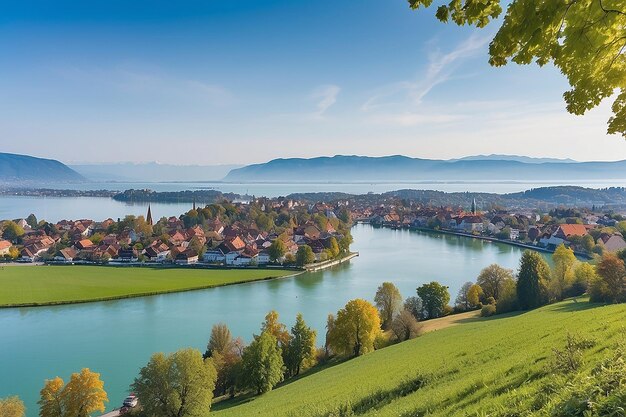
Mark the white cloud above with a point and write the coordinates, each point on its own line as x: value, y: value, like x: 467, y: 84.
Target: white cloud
x: 326, y: 96
x: 401, y: 103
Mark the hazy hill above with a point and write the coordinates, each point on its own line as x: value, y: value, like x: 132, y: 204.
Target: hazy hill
x: 23, y: 169
x: 153, y: 172
x: 401, y: 168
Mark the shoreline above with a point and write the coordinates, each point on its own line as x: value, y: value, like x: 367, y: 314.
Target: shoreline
x: 481, y: 237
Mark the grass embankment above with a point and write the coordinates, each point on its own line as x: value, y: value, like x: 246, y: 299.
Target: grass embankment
x: 47, y: 285
x: 472, y: 368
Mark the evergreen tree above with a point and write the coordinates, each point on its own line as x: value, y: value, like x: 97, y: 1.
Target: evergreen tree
x: 534, y: 273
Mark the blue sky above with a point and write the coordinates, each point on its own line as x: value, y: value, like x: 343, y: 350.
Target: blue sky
x: 211, y: 82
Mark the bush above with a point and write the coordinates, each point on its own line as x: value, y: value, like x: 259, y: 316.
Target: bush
x: 570, y: 359
x: 488, y: 310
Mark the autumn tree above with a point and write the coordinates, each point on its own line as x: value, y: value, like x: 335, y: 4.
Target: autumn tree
x: 388, y: 300
x: 334, y: 247
x: 262, y: 364
x: 584, y: 39
x: 180, y: 384
x: 610, y: 284
x: 12, y: 407
x: 474, y: 295
x: 533, y: 277
x: 273, y: 326
x: 562, y: 280
x: 435, y: 297
x: 300, y: 351
x: 220, y: 340
x: 304, y: 255
x: 277, y: 250
x: 584, y: 273
x: 491, y: 279
x: 405, y: 326
x: 226, y: 355
x: 83, y: 395
x: 354, y: 330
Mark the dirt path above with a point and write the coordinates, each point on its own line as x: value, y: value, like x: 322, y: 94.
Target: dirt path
x: 452, y: 320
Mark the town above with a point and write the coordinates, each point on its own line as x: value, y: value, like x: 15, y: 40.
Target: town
x: 276, y: 231
x: 286, y: 231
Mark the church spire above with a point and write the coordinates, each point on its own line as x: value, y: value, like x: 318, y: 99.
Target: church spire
x: 149, y: 216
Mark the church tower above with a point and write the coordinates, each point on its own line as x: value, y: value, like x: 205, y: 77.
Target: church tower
x: 149, y: 216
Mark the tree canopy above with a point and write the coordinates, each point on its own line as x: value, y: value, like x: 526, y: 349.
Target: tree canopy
x: 388, y: 301
x: 12, y: 407
x: 83, y: 395
x: 180, y: 384
x: 262, y: 364
x: 354, y: 330
x: 435, y: 297
x: 584, y: 39
x: 300, y: 352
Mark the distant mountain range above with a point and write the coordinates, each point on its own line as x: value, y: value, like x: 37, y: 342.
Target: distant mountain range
x: 518, y: 158
x: 342, y: 168
x: 22, y: 169
x: 152, y: 172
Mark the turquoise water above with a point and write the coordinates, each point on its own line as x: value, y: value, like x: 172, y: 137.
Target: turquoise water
x: 116, y: 338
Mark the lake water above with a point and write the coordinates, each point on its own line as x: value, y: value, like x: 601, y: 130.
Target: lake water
x: 55, y: 209
x: 116, y: 338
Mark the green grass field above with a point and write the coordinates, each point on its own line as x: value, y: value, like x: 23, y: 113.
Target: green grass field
x: 38, y: 285
x: 470, y: 369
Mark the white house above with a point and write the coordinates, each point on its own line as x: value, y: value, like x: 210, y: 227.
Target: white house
x: 214, y: 256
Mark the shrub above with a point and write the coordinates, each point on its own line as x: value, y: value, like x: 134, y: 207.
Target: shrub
x: 488, y: 310
x: 570, y: 358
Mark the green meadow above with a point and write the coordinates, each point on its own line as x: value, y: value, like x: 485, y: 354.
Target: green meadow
x: 476, y: 368
x: 41, y: 285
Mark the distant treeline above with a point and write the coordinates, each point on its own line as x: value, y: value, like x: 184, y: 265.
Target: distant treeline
x: 572, y: 196
x: 199, y: 196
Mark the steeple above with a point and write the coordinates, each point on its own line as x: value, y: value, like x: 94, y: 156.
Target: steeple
x: 149, y: 216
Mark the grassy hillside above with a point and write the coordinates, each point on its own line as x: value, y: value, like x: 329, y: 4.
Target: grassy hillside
x: 39, y: 285
x: 474, y: 368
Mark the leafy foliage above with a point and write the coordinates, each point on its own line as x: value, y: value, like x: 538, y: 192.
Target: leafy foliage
x: 584, y: 39
x: 12, y: 407
x: 300, y: 351
x: 388, y: 300
x: 435, y: 297
x: 262, y: 364
x: 180, y: 384
x: 355, y: 329
x: 83, y: 395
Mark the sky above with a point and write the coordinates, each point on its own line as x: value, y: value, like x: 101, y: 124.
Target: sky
x: 227, y: 82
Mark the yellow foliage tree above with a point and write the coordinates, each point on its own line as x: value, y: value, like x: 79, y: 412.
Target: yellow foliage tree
x: 82, y: 395
x: 12, y: 407
x: 355, y: 329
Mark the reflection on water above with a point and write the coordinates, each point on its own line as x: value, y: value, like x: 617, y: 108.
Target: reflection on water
x: 116, y: 337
